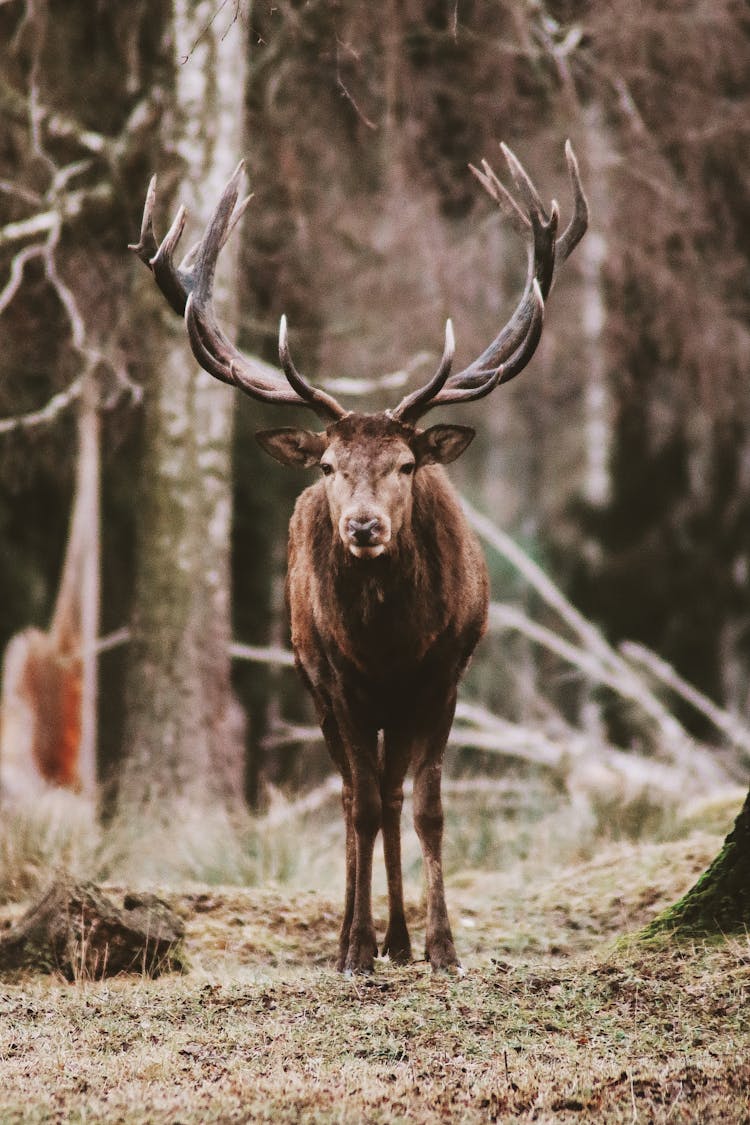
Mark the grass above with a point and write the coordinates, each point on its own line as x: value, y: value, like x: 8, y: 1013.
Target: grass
x: 555, y: 1019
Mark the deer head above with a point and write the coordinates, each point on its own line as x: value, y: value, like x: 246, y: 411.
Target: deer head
x: 368, y: 461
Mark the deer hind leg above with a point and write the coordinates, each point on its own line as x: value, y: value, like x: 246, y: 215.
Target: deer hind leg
x: 397, y: 943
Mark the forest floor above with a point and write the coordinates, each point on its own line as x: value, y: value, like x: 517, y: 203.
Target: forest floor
x: 557, y: 1018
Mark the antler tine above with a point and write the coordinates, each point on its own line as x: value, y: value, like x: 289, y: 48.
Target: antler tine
x: 523, y: 353
x: 511, y: 339
x: 214, y: 237
x: 412, y: 404
x: 188, y: 262
x: 324, y: 405
x: 523, y: 182
x: 499, y: 192
x: 578, y: 225
x: 540, y: 268
x: 174, y: 282
x: 147, y: 245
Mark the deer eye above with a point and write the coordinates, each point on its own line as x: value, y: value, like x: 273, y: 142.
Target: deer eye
x: 326, y: 468
x: 407, y: 468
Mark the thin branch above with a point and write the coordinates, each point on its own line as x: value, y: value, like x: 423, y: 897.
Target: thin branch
x: 393, y: 379
x: 51, y: 224
x: 284, y: 812
x: 9, y: 187
x: 535, y: 576
x: 273, y: 655
x: 41, y: 223
x: 17, y: 267
x: 56, y: 405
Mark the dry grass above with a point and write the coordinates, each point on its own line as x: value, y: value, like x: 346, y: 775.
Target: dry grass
x: 553, y: 1021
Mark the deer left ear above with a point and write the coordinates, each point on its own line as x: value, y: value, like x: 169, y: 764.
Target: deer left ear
x: 441, y: 444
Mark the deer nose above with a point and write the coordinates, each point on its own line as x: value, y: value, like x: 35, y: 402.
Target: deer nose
x: 363, y: 533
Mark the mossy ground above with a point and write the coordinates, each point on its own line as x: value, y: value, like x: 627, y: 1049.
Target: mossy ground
x: 554, y: 1019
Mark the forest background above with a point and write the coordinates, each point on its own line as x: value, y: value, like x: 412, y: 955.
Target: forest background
x: 620, y: 463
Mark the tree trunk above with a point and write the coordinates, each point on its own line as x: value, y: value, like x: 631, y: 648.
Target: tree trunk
x: 184, y: 746
x: 48, y: 687
x: 719, y: 903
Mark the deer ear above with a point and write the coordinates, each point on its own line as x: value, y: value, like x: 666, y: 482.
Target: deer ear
x: 441, y: 444
x: 301, y: 449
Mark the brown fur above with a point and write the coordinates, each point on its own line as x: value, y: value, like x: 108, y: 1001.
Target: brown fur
x: 381, y: 644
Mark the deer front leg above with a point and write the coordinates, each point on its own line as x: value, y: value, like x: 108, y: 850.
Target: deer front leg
x: 337, y: 750
x: 351, y: 876
x: 428, y: 821
x: 397, y: 943
x: 366, y: 821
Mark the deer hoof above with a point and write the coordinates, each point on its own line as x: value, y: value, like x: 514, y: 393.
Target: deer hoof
x: 360, y: 957
x: 397, y: 947
x: 442, y: 956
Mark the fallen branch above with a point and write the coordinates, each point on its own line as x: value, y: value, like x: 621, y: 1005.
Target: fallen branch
x: 730, y: 726
x: 284, y: 812
x: 613, y: 669
x: 510, y: 617
x: 568, y: 753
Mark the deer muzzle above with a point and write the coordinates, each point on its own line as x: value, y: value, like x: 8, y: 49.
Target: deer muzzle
x: 365, y: 535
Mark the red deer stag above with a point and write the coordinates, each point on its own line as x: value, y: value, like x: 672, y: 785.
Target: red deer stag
x: 386, y: 588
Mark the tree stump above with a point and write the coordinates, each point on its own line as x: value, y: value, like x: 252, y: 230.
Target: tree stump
x: 76, y: 930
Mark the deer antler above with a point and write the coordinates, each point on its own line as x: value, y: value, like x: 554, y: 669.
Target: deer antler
x: 188, y: 288
x: 515, y: 344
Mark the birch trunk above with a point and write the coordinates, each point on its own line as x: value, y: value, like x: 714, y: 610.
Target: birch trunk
x: 184, y: 739
x: 597, y: 422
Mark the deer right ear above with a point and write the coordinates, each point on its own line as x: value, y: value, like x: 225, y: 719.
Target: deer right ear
x: 302, y: 449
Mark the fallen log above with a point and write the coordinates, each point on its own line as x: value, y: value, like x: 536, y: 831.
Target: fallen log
x: 75, y: 930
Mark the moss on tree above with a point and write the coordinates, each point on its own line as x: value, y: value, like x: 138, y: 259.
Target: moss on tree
x: 719, y: 903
